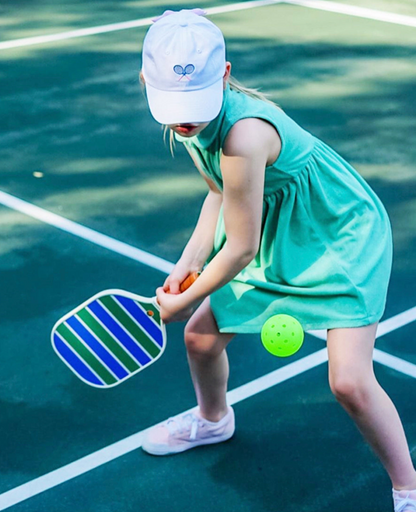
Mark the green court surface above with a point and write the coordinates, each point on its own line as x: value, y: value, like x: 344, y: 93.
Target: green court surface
x: 77, y: 140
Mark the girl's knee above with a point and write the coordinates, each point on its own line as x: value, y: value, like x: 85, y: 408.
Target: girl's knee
x: 202, y: 344
x: 343, y: 388
x: 202, y: 337
x: 352, y: 390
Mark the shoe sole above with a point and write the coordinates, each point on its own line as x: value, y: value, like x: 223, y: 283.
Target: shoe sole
x: 154, y: 449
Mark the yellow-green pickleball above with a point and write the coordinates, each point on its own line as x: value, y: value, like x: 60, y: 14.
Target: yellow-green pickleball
x: 282, y: 335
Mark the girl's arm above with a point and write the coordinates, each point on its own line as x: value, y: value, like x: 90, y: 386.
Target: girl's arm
x: 251, y: 145
x: 200, y: 245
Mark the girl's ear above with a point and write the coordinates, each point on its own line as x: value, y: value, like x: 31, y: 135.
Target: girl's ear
x: 142, y: 80
x: 227, y: 73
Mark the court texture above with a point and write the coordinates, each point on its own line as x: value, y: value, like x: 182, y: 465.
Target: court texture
x: 90, y: 198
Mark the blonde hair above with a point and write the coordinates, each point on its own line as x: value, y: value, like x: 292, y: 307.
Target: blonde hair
x: 235, y: 85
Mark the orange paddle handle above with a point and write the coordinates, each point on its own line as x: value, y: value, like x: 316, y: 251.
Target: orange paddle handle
x: 188, y: 281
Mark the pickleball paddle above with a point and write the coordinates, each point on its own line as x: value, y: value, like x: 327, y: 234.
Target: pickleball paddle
x: 112, y: 336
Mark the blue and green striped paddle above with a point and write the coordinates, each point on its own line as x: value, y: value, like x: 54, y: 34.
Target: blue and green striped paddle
x: 112, y: 336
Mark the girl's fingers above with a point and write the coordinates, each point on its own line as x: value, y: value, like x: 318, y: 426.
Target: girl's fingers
x: 174, y: 286
x: 159, y: 293
x: 174, y: 281
x: 169, y: 282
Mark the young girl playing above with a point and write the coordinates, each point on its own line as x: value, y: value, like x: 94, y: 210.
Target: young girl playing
x: 287, y: 226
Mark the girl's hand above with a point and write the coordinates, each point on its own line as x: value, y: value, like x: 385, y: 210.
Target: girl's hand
x: 172, y: 307
x: 176, y: 278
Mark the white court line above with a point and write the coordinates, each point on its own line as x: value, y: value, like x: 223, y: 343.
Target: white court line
x: 113, y: 27
x: 396, y: 321
x: 393, y: 323
x: 395, y: 363
x: 109, y: 453
x: 86, y: 233
x: 165, y: 266
x: 127, y: 445
x: 146, y: 258
x: 359, y: 12
x: 83, y: 32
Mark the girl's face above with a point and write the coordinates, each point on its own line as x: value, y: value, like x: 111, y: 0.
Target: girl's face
x: 188, y: 129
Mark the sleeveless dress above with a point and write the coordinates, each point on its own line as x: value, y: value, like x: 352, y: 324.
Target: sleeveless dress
x: 325, y: 254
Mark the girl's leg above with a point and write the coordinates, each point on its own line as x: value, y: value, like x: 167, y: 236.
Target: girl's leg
x: 208, y: 362
x: 214, y: 422
x: 353, y: 383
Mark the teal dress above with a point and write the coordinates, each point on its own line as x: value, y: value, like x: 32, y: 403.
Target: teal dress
x: 326, y: 247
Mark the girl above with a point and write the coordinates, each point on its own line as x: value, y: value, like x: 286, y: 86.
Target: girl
x: 287, y: 226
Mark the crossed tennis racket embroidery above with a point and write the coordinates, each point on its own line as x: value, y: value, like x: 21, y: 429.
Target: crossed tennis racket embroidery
x: 187, y: 70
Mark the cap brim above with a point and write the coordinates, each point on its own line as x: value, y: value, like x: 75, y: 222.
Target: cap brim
x: 176, y: 107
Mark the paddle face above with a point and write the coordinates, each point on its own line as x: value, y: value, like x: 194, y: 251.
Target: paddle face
x: 110, y: 337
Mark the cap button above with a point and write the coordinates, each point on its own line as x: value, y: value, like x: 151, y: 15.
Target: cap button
x: 183, y: 24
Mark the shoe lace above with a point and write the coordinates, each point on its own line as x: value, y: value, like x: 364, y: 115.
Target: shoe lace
x: 187, y: 422
x: 404, y: 504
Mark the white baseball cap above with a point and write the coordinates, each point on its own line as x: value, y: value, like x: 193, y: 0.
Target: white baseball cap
x: 183, y: 68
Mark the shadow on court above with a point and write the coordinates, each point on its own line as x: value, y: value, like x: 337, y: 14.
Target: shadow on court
x: 75, y: 112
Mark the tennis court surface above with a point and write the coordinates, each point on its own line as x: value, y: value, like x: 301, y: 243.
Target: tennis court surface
x: 90, y: 198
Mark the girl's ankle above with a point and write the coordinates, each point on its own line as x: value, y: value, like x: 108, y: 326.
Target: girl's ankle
x: 411, y: 486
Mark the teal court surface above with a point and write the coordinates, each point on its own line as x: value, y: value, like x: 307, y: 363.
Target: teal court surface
x: 90, y: 198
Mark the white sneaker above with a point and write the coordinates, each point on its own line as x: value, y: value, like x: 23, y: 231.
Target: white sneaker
x: 186, y: 431
x: 404, y: 501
